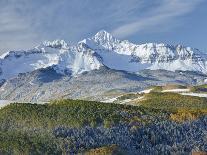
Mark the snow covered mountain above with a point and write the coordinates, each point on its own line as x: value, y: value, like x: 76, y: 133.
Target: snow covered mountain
x: 102, y: 50
x: 123, y: 55
x: 95, y: 68
x: 64, y: 58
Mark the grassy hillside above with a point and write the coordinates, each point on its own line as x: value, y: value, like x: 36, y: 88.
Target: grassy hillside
x: 180, y: 107
x: 173, y: 101
x: 69, y: 113
x: 199, y: 89
x: 167, y: 87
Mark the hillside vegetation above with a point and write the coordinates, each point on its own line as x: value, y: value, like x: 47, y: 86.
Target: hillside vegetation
x: 199, y: 89
x: 173, y: 101
x: 76, y: 126
x: 167, y: 87
x: 69, y: 113
x: 180, y: 107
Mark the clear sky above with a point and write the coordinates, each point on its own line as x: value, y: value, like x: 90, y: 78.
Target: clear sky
x: 26, y: 23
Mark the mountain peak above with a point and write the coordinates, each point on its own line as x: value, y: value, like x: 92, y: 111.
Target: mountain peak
x: 104, y: 37
x: 103, y: 32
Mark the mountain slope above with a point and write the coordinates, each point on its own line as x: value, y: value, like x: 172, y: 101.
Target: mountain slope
x: 77, y: 60
x: 42, y: 56
x: 46, y: 84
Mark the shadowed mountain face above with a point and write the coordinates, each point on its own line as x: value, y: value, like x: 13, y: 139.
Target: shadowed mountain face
x: 46, y: 84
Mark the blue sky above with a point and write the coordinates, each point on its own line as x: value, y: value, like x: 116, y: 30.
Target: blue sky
x: 26, y: 23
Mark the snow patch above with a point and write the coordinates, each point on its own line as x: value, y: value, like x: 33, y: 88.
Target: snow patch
x: 4, y: 103
x: 195, y: 94
x: 176, y: 90
x: 147, y: 91
x: 111, y: 100
x: 117, y: 61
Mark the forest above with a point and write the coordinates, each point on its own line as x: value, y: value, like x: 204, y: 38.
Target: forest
x: 164, y: 123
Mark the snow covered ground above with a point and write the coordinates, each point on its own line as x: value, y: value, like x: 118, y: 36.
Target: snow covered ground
x: 195, y: 94
x: 146, y: 91
x: 118, y: 61
x: 176, y: 90
x: 3, y: 103
x: 185, y: 92
x: 111, y: 100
